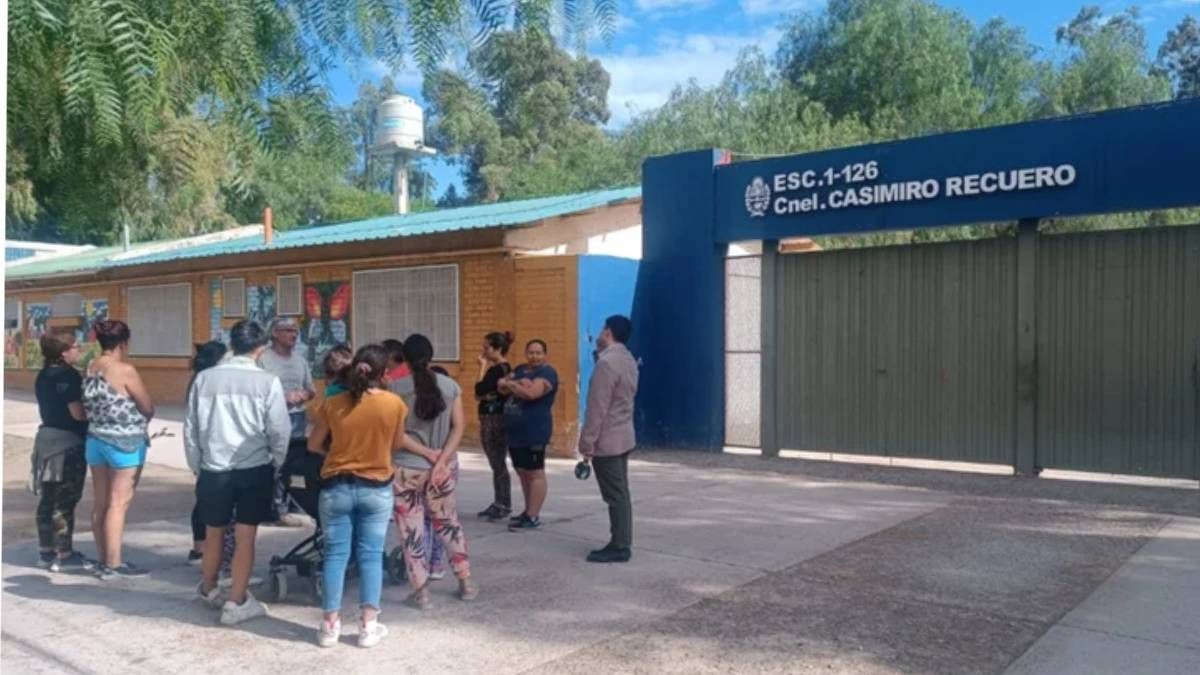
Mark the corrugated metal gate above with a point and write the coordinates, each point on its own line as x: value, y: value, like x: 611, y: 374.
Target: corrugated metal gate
x: 1119, y: 352
x: 917, y: 351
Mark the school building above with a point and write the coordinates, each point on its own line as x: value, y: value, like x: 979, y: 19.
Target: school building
x: 550, y: 268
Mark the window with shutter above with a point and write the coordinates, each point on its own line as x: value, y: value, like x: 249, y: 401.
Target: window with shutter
x: 160, y: 320
x: 288, y: 295
x: 233, y: 294
x: 66, y: 305
x: 396, y: 303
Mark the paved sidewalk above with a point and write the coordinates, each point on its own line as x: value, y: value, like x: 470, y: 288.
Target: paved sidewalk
x: 739, y: 566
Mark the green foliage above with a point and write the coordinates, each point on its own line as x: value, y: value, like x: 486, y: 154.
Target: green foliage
x: 523, y: 119
x: 1108, y: 67
x: 1179, y: 57
x: 904, y: 61
x: 182, y: 116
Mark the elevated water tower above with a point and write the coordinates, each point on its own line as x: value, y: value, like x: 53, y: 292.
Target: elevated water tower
x: 400, y: 133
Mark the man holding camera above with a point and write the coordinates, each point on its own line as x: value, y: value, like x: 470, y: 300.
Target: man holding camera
x: 608, y: 437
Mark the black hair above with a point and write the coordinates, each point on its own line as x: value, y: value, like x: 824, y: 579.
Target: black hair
x: 246, y: 336
x: 620, y: 327
x: 111, y: 334
x: 418, y: 353
x: 366, y: 370
x: 208, y: 355
x: 500, y: 341
x: 535, y: 341
x: 440, y: 370
x: 395, y: 350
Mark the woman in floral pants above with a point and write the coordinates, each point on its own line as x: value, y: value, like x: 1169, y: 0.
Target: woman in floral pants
x: 426, y: 475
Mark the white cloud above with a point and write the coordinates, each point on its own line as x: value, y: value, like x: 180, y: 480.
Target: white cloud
x: 642, y: 80
x: 766, y: 7
x: 657, y: 5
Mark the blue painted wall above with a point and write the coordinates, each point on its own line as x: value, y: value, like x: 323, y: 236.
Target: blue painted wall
x: 606, y: 286
x: 679, y: 306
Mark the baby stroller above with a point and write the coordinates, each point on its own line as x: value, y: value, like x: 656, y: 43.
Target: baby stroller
x: 302, y: 470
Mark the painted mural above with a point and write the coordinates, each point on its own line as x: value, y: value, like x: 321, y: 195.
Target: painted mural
x: 94, y: 311
x: 12, y: 343
x: 216, y: 308
x: 260, y: 304
x: 260, y: 307
x: 326, y: 320
x: 37, y: 322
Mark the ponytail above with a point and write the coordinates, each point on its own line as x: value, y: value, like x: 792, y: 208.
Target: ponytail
x: 418, y: 353
x: 500, y: 341
x: 366, y: 371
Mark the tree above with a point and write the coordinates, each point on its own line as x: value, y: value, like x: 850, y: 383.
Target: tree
x: 159, y: 113
x: 450, y: 199
x: 752, y: 111
x: 523, y: 107
x: 904, y: 64
x: 1004, y: 70
x: 1179, y: 57
x: 1107, y: 67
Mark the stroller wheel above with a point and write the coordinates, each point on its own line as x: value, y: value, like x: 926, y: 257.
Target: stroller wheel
x: 317, y: 586
x: 394, y: 564
x: 279, y: 585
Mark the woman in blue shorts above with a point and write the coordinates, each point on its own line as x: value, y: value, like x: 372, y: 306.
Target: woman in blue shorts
x: 119, y: 410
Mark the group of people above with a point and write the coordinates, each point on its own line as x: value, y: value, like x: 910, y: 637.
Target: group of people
x: 388, y: 430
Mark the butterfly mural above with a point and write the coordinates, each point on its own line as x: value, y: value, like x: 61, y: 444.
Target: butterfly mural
x: 326, y: 319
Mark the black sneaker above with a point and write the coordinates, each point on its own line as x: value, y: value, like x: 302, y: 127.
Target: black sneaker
x: 525, y: 524
x: 46, y: 559
x: 517, y: 518
x: 610, y: 554
x: 125, y: 570
x: 74, y: 561
x: 195, y: 557
x: 493, y: 513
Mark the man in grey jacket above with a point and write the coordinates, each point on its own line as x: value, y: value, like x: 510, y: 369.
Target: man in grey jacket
x: 236, y: 433
x: 608, y: 437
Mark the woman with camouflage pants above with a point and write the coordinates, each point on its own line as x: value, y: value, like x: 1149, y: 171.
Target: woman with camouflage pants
x: 59, y: 467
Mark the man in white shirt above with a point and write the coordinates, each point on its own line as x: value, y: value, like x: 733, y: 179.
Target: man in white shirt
x: 236, y: 435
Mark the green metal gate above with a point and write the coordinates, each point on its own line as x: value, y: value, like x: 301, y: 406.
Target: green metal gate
x: 1075, y: 351
x: 1119, y: 352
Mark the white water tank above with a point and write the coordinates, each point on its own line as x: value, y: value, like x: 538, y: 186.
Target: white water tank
x: 400, y: 126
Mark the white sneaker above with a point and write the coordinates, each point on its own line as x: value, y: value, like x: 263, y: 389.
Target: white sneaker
x: 438, y: 575
x: 370, y: 634
x: 211, y: 598
x: 234, y: 613
x: 328, y: 634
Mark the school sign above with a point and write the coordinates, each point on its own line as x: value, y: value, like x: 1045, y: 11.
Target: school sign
x: 1125, y: 160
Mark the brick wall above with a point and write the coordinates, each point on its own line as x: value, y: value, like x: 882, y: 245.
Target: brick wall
x: 546, y: 308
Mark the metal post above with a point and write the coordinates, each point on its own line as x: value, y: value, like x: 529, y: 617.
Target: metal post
x: 400, y: 183
x: 768, y: 393
x: 1025, y: 452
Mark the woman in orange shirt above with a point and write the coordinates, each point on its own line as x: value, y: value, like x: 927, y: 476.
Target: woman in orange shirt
x: 366, y: 423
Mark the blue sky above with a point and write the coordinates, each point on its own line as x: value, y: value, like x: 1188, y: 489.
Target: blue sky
x: 661, y: 43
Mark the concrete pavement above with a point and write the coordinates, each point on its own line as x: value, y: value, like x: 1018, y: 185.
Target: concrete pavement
x: 739, y: 566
